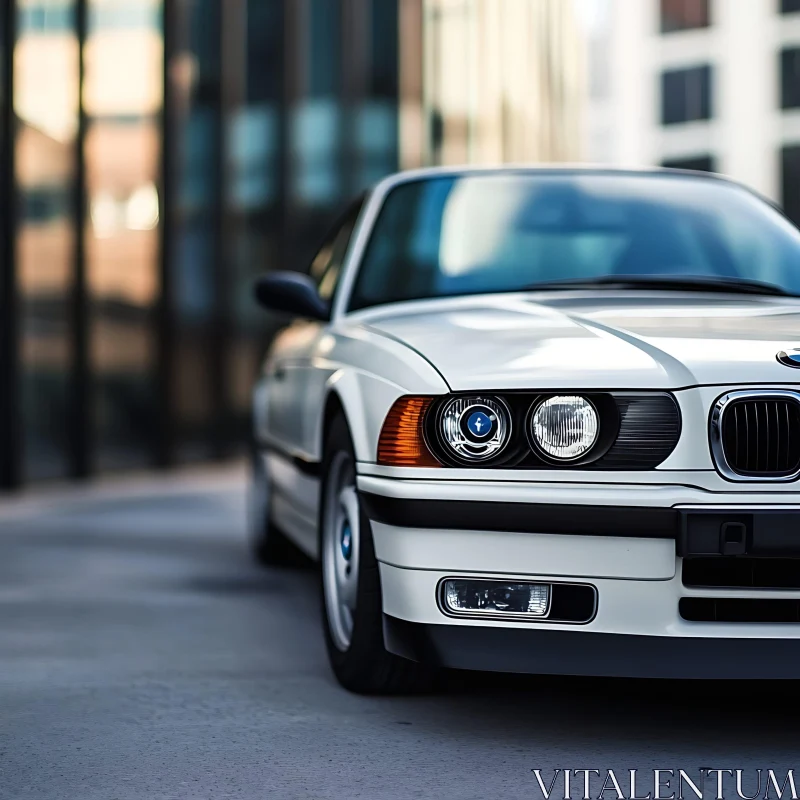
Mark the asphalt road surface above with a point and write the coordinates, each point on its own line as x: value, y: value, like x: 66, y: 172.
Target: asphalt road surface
x: 143, y: 656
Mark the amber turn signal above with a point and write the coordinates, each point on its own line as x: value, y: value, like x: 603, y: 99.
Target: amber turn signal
x: 402, y: 443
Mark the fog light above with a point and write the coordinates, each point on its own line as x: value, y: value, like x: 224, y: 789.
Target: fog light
x: 496, y: 598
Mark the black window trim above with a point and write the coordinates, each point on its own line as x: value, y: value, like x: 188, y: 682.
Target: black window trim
x: 354, y: 209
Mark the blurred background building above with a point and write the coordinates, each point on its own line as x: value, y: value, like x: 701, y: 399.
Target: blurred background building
x: 699, y: 84
x: 157, y: 155
x: 502, y: 81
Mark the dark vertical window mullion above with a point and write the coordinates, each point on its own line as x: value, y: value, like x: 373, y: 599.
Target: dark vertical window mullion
x: 10, y: 427
x: 294, y: 59
x: 165, y: 316
x: 288, y: 63
x: 353, y: 14
x: 232, y: 24
x: 80, y: 402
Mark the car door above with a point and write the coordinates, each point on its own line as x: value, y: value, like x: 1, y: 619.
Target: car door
x: 294, y: 388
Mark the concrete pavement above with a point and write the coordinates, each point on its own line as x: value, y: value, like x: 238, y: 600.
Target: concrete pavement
x: 143, y: 656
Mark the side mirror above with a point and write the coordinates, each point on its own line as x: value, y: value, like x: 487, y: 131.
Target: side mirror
x: 291, y: 293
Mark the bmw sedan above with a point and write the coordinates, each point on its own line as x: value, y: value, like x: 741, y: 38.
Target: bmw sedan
x: 542, y: 421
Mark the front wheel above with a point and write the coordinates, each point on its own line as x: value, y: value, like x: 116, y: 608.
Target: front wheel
x: 351, y: 591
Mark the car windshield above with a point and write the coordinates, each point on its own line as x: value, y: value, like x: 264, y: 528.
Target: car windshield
x: 505, y: 232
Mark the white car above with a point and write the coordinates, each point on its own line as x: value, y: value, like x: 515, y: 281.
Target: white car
x: 543, y: 421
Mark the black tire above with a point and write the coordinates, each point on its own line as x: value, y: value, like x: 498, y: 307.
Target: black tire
x: 268, y: 546
x: 365, y: 666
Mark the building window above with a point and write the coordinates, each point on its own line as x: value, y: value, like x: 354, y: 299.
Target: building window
x: 45, y: 149
x: 696, y: 163
x: 316, y: 125
x: 790, y: 6
x: 790, y: 172
x: 684, y: 15
x: 194, y: 237
x: 790, y: 78
x: 122, y: 151
x: 376, y: 121
x: 686, y: 95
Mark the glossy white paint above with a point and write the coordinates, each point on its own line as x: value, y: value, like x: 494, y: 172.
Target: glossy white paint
x: 543, y: 553
x: 598, y: 340
x: 295, y: 503
x: 366, y: 369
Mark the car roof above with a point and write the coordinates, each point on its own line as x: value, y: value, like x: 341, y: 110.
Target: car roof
x: 406, y: 176
x: 547, y: 169
x: 565, y: 169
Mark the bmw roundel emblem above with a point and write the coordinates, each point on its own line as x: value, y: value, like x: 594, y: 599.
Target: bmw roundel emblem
x: 790, y: 358
x: 478, y: 423
x: 474, y: 429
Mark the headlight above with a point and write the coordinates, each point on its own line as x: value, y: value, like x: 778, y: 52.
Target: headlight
x: 475, y: 428
x: 565, y: 427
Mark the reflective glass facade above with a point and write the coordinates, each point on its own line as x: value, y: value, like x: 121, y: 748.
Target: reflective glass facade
x: 45, y: 107
x: 255, y: 162
x: 194, y: 219
x: 123, y: 83
x: 157, y: 155
x: 9, y: 402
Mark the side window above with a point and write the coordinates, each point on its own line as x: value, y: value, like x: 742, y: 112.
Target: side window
x: 327, y: 264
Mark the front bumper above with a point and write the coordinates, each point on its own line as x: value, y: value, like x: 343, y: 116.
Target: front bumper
x: 544, y: 652
x: 545, y: 534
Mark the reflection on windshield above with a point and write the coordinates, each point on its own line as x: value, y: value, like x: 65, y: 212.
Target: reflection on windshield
x: 454, y: 235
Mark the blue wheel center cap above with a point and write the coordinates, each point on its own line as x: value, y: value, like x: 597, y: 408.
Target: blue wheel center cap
x: 347, y: 541
x: 480, y: 424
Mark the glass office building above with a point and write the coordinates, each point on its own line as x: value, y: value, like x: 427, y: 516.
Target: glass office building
x: 156, y: 156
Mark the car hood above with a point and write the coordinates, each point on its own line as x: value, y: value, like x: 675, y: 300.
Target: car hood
x: 599, y: 340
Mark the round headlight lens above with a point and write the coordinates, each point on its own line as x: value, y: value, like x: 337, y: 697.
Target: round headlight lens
x: 565, y: 427
x: 475, y: 428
